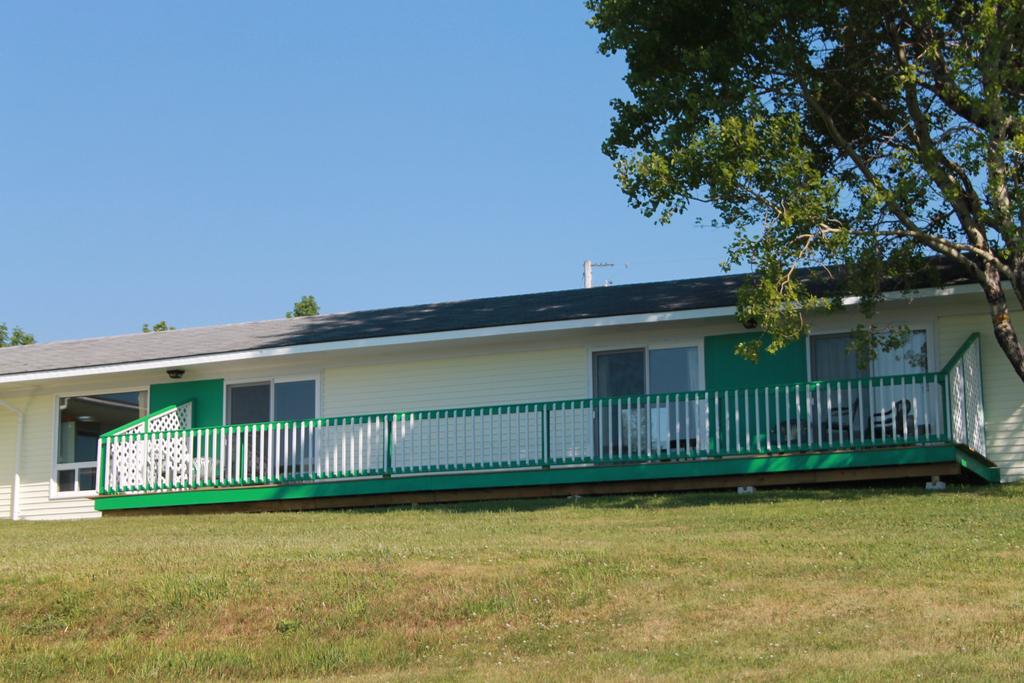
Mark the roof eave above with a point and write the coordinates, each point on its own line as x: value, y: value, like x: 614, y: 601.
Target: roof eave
x: 428, y: 337
x: 370, y: 342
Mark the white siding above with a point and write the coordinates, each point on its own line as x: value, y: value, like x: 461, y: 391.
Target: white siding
x: 39, y: 406
x: 463, y: 381
x: 1003, y: 389
x: 36, y: 464
x: 37, y: 467
x: 8, y: 429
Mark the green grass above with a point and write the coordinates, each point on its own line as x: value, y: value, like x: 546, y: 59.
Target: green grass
x: 822, y: 585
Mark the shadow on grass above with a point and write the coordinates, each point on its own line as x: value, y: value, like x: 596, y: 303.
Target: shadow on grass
x: 689, y: 499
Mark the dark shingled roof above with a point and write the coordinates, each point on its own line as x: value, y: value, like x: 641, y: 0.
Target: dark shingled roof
x: 573, y: 304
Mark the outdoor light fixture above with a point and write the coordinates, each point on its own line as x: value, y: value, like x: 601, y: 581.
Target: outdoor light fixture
x: 175, y: 373
x: 750, y: 323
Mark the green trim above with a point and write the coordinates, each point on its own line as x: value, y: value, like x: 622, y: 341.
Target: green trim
x: 326, y: 421
x: 542, y: 477
x: 157, y: 413
x: 969, y: 461
x: 959, y: 353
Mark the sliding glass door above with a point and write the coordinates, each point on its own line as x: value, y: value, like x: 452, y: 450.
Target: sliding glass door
x: 676, y: 425
x: 617, y: 374
x: 625, y: 425
x: 879, y: 408
x: 270, y: 401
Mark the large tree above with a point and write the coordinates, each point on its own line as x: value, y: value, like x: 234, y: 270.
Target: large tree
x: 870, y: 134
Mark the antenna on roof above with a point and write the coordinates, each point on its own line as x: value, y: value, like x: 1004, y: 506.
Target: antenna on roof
x: 588, y: 272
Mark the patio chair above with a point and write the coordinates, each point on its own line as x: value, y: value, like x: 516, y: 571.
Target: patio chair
x: 894, y: 422
x: 788, y: 433
x: 841, y: 421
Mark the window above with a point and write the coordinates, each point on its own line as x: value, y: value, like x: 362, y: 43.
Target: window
x: 831, y: 357
x: 910, y: 358
x: 249, y: 403
x: 268, y: 401
x: 271, y: 400
x: 632, y: 372
x: 636, y: 371
x: 887, y: 407
x: 673, y: 370
x: 619, y: 373
x: 82, y: 420
x: 295, y: 400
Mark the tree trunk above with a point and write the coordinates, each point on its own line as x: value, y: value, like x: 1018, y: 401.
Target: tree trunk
x: 1017, y: 264
x: 1002, y: 326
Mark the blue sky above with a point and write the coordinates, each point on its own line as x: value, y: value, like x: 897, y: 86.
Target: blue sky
x: 207, y: 162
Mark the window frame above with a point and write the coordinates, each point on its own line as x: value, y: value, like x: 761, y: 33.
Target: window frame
x: 929, y: 335
x: 810, y: 355
x: 272, y: 380
x: 593, y: 351
x: 55, y: 492
x: 606, y: 352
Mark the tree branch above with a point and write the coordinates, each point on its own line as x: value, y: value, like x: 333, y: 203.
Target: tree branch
x: 936, y: 243
x: 952, y: 181
x: 944, y: 86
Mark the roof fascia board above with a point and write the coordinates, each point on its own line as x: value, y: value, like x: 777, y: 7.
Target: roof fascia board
x: 970, y: 288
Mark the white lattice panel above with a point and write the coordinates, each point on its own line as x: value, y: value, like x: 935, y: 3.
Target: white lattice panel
x: 169, y: 460
x: 958, y: 425
x: 976, y: 408
x: 179, y: 417
x: 156, y: 460
x: 966, y: 406
x: 126, y: 462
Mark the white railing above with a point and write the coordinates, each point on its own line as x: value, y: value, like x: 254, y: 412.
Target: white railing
x: 159, y: 454
x: 964, y: 396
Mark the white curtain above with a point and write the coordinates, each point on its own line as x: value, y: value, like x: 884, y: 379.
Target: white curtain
x: 676, y: 370
x: 831, y: 358
x: 908, y: 359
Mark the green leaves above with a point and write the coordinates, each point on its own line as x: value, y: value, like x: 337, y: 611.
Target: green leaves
x: 305, y: 306
x: 161, y: 326
x: 15, y: 337
x: 856, y: 136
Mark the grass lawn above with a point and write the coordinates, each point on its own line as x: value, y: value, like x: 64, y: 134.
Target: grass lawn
x: 852, y: 584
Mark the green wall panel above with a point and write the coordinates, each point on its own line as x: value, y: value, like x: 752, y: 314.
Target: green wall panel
x: 723, y: 369
x: 207, y: 397
x: 735, y: 376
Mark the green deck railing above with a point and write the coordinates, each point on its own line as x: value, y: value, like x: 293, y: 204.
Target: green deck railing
x: 926, y: 408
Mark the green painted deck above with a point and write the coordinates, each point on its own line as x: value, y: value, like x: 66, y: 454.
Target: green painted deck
x: 575, y: 475
x: 918, y: 425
